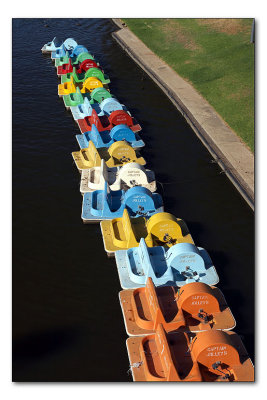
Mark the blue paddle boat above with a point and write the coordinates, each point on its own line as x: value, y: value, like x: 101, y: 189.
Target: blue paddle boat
x: 108, y: 204
x: 106, y: 138
x: 54, y: 45
x: 65, y: 49
x: 106, y: 107
x: 178, y: 265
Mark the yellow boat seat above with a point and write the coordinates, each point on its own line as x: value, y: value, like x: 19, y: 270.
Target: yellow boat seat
x: 67, y: 87
x: 161, y: 229
x: 118, y: 154
x: 90, y: 84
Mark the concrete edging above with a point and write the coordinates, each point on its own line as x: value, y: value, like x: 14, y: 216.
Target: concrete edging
x: 233, y: 156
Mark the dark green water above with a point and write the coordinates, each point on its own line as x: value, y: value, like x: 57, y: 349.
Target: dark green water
x: 67, y: 321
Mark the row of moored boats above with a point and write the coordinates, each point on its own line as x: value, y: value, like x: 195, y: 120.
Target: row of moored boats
x: 179, y: 323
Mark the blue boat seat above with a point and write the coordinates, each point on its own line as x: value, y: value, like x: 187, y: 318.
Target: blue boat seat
x: 109, y: 105
x: 180, y: 264
x: 70, y: 44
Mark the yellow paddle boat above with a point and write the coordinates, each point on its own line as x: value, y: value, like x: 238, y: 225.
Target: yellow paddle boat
x: 118, y: 154
x: 162, y: 229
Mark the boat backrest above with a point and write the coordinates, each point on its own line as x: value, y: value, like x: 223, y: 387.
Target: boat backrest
x: 78, y: 50
x: 139, y: 200
x: 164, y: 227
x: 87, y: 63
x: 95, y: 137
x: 196, y: 296
x: 95, y: 120
x: 127, y: 227
x: 84, y: 56
x: 56, y: 42
x: 122, y: 132
x: 120, y: 117
x: 209, y: 347
x: 153, y: 304
x: 95, y: 72
x: 133, y: 174
x: 109, y: 105
x: 78, y: 96
x: 104, y: 170
x: 165, y: 355
x: 121, y: 152
x: 100, y: 94
x: 93, y: 154
x: 90, y: 84
x: 185, y: 257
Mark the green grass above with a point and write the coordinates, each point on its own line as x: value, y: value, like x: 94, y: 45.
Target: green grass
x: 215, y: 56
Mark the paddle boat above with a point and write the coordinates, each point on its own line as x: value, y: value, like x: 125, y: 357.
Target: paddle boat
x: 65, y: 49
x: 91, y: 72
x: 116, y: 155
x: 54, y: 45
x: 107, y: 122
x: 77, y: 98
x: 162, y: 229
x: 208, y: 356
x: 178, y: 265
x: 86, y: 87
x: 196, y: 307
x: 106, y: 107
x: 107, y: 138
x: 64, y: 69
x: 107, y: 204
x: 118, y: 178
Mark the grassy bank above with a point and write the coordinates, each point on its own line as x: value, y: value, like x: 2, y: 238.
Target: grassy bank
x: 215, y: 56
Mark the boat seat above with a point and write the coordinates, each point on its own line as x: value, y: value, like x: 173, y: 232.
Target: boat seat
x: 97, y: 73
x: 81, y: 57
x: 70, y: 44
x: 86, y: 64
x: 99, y: 94
x: 90, y: 84
x: 165, y: 229
x: 109, y: 105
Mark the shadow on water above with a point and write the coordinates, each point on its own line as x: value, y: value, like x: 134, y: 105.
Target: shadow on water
x: 67, y: 321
